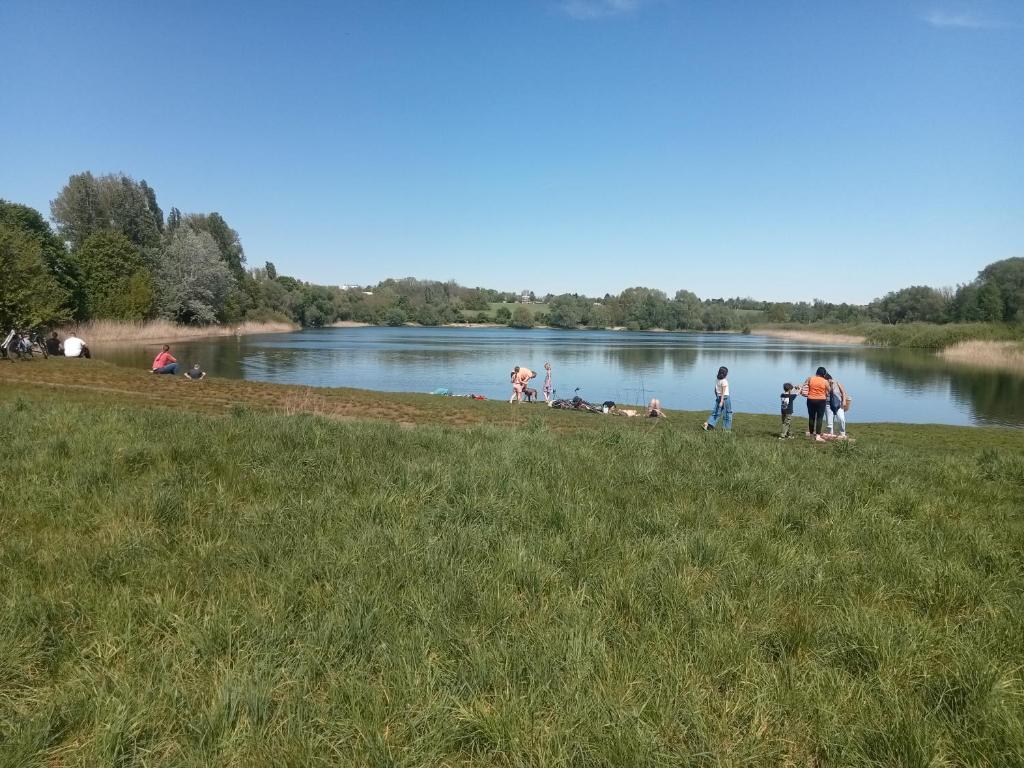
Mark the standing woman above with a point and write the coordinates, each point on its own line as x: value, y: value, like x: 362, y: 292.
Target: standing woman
x: 549, y: 388
x: 723, y: 402
x: 837, y: 401
x: 815, y: 389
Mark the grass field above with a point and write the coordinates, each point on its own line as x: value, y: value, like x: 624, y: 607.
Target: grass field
x: 233, y: 574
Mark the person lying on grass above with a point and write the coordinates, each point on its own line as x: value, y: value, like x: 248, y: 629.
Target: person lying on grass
x: 163, y: 362
x: 654, y: 410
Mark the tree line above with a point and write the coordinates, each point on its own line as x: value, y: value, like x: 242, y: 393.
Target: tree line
x: 113, y: 254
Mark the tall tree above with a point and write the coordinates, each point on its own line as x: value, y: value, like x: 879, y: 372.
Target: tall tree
x: 227, y: 240
x: 193, y: 282
x: 150, y: 194
x: 88, y: 204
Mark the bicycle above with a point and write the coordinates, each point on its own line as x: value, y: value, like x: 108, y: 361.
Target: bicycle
x: 23, y: 345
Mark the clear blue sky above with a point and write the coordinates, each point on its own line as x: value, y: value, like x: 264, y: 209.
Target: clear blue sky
x: 783, y: 150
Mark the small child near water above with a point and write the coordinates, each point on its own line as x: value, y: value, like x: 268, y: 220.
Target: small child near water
x: 788, y: 397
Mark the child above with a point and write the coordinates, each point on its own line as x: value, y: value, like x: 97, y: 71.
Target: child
x: 789, y: 395
x: 548, y: 387
x: 195, y: 373
x: 517, y: 387
x: 723, y: 402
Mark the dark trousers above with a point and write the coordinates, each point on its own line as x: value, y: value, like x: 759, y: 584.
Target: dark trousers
x: 815, y: 416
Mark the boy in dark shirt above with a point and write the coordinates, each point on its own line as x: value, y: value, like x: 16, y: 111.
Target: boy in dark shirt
x: 788, y: 396
x: 195, y: 373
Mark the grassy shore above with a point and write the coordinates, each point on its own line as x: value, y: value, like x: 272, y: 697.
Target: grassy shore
x: 211, y: 574
x: 100, y: 331
x: 918, y: 335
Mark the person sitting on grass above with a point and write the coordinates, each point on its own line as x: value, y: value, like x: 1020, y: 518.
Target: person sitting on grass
x: 654, y: 410
x: 195, y: 373
x: 53, y: 347
x: 164, y: 362
x: 75, y: 347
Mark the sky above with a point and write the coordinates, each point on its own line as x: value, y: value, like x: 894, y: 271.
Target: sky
x: 785, y: 150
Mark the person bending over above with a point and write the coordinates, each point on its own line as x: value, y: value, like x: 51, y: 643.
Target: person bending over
x: 164, y: 362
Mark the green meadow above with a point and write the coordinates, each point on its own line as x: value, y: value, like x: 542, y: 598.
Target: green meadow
x: 192, y: 577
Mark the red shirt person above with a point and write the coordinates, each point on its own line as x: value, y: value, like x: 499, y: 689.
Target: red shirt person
x: 165, y: 362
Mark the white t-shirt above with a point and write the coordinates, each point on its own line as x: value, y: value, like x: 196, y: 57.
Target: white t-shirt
x: 722, y: 388
x: 73, y: 346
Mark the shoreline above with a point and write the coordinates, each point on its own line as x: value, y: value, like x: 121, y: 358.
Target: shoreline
x: 813, y: 336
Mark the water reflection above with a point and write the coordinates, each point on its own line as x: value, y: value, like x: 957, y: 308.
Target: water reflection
x: 887, y: 384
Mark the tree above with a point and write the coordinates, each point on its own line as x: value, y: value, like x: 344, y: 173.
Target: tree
x: 88, y: 204
x: 173, y: 220
x: 193, y: 282
x: 54, y: 252
x: 502, y: 314
x: 150, y: 195
x: 687, y: 309
x: 565, y: 311
x: 395, y: 316
x: 30, y: 295
x: 1007, y: 278
x: 271, y: 271
x: 227, y: 240
x: 114, y: 277
x: 918, y: 303
x: 989, y: 305
x: 521, y: 317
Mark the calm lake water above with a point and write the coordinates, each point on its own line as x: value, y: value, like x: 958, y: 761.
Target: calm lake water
x: 678, y: 368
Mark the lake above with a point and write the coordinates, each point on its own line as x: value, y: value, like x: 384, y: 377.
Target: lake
x: 679, y: 368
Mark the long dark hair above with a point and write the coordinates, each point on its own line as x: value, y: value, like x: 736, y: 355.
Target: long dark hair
x: 723, y: 372
x: 821, y: 372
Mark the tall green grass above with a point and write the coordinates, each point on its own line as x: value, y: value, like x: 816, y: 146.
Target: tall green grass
x: 252, y: 589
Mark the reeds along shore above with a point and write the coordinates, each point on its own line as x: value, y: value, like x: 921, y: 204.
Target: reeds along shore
x: 996, y: 355
x: 99, y: 331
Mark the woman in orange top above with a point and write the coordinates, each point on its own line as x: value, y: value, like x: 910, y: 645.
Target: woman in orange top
x: 815, y: 389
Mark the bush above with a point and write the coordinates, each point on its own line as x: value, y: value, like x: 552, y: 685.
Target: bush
x: 395, y: 316
x: 521, y: 318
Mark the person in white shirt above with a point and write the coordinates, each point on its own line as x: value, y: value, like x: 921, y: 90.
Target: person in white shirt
x: 723, y: 403
x: 75, y: 347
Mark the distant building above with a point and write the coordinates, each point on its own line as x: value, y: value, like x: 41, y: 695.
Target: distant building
x: 524, y: 297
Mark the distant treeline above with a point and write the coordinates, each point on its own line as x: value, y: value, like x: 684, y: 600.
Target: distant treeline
x: 114, y: 255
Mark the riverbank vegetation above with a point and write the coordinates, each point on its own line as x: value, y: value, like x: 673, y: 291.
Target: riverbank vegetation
x: 116, y: 256
x: 101, y: 331
x: 920, y: 335
x: 218, y: 582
